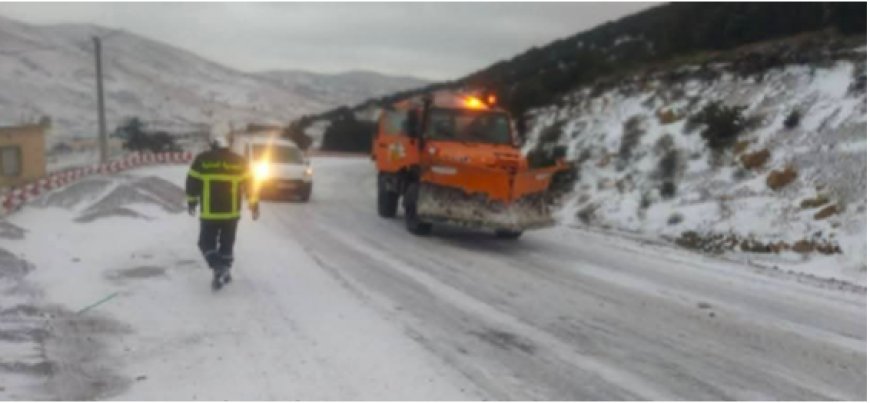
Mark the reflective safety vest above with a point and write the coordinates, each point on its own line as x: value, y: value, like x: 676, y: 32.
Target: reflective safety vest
x: 216, y: 181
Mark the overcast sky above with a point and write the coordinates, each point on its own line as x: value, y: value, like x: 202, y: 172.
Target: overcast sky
x: 429, y: 40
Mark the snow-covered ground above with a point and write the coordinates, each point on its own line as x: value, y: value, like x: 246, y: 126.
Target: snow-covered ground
x: 103, y: 295
x: 61, y: 161
x: 630, y: 140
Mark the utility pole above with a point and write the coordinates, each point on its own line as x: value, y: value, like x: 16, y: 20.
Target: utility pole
x: 101, y: 112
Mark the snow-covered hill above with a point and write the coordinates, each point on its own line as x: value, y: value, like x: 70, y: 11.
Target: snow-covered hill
x: 49, y: 71
x: 347, y: 88
x: 790, y: 191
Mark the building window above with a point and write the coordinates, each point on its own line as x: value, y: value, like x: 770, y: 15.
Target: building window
x: 10, y: 161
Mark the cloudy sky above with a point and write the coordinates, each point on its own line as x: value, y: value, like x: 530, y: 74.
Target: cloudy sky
x: 430, y: 40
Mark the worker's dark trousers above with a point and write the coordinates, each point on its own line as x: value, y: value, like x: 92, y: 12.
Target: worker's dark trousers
x: 216, y: 239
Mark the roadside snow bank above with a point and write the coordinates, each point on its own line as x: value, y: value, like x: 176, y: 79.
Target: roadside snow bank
x: 51, y: 345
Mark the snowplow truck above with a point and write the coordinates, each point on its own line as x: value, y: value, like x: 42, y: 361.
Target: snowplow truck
x: 454, y: 158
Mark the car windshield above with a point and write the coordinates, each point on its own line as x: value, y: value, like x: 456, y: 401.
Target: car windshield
x: 283, y: 154
x: 469, y: 125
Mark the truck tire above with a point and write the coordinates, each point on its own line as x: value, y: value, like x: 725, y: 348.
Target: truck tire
x: 412, y: 222
x: 305, y: 195
x: 508, y: 234
x: 388, y: 201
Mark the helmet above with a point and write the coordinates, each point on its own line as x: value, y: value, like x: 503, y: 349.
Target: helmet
x: 219, y: 137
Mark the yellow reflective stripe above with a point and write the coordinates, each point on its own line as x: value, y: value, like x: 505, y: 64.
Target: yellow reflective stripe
x: 221, y: 177
x: 220, y: 216
x: 206, y: 199
x: 234, y: 189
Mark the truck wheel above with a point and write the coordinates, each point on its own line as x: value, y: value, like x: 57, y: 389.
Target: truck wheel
x: 412, y: 222
x: 306, y: 193
x: 508, y: 234
x: 388, y: 202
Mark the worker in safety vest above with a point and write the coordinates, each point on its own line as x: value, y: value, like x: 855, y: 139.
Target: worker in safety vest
x: 216, y: 181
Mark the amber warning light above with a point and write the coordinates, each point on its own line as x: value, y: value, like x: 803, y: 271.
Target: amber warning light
x: 474, y: 103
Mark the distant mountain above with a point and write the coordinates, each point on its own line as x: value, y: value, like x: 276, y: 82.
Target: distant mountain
x: 49, y: 71
x: 347, y: 88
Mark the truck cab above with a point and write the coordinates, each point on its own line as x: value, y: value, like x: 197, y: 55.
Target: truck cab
x: 280, y: 169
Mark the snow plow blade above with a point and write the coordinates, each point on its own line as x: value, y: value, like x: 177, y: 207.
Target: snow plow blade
x: 486, y: 198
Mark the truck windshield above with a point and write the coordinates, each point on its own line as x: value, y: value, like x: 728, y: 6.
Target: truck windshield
x: 469, y: 125
x: 281, y: 154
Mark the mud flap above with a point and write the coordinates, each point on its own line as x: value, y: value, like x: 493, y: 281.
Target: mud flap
x: 442, y: 204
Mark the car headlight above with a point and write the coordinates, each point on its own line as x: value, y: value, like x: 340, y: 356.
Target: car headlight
x: 309, y: 171
x: 261, y: 171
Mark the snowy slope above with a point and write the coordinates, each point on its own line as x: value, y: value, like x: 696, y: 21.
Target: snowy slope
x: 49, y: 70
x: 620, y: 139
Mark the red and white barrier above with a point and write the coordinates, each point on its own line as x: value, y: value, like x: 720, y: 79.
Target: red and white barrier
x: 16, y: 197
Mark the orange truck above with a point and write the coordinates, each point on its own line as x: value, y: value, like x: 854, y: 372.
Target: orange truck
x: 454, y: 158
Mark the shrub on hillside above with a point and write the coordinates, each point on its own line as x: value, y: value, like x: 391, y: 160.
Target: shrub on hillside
x: 668, y: 190
x: 296, y: 134
x: 137, y: 138
x: 552, y: 133
x: 668, y: 167
x: 632, y: 130
x: 793, y: 119
x: 721, y: 124
x: 546, y: 156
x: 346, y: 133
x: 563, y: 181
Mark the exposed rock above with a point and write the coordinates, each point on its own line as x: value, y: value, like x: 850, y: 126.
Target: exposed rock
x: 818, y: 201
x: 586, y: 214
x: 756, y: 159
x: 777, y: 180
x: 826, y: 212
x: 780, y: 246
x: 711, y: 243
x: 667, y: 116
x: 803, y: 246
x: 828, y: 248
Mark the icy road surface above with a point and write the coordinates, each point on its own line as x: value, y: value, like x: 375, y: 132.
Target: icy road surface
x: 329, y: 301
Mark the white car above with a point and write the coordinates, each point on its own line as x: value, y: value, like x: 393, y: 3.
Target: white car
x: 281, y: 169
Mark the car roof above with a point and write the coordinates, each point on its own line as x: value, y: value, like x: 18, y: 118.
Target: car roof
x: 269, y: 140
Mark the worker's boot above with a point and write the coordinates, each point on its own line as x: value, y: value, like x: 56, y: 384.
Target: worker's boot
x: 226, y: 261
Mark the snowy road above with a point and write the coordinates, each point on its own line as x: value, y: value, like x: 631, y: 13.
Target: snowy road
x: 332, y: 302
